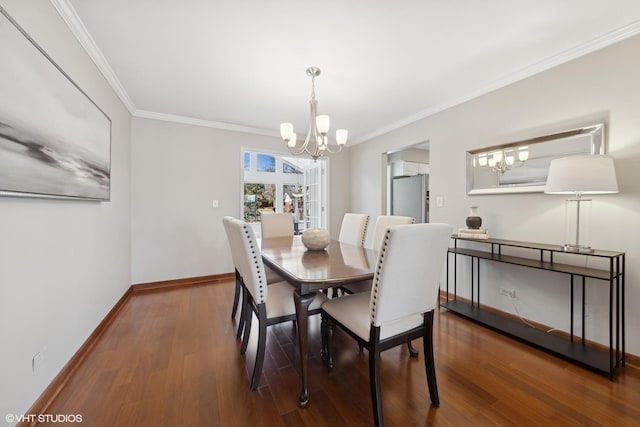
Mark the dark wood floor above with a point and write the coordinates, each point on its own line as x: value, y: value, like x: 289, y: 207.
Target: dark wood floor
x: 171, y: 359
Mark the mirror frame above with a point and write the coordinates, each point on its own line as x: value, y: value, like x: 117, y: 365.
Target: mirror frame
x: 595, y: 134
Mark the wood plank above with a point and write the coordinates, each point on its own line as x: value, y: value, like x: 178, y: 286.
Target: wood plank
x: 575, y: 351
x: 171, y: 358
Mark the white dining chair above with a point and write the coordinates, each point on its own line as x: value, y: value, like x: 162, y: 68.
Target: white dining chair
x: 237, y: 256
x: 226, y: 221
x: 353, y: 229
x: 382, y: 223
x: 271, y: 304
x: 276, y: 225
x: 400, y: 306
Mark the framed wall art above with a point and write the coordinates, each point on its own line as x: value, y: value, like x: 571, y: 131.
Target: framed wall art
x: 54, y: 140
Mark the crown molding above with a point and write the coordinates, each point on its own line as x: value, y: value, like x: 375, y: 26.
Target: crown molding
x: 531, y: 70
x: 205, y: 123
x: 73, y: 21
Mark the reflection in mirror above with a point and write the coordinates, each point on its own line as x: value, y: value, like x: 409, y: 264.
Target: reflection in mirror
x: 522, y: 167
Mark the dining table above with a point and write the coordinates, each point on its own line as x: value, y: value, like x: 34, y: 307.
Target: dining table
x: 311, y: 271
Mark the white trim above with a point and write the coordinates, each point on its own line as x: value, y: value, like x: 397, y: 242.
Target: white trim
x: 538, y: 67
x: 205, y: 123
x: 68, y: 13
x: 507, y: 190
x: 73, y: 21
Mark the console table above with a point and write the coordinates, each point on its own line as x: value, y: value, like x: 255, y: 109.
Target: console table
x: 541, y: 257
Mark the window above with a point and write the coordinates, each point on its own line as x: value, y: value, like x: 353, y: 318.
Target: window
x: 266, y: 163
x: 275, y: 183
x: 288, y: 167
x: 293, y: 200
x: 258, y: 198
x: 246, y: 160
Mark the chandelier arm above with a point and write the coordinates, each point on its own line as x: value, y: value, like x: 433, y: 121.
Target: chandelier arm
x: 304, y: 147
x: 313, y: 129
x: 321, y: 140
x: 295, y: 152
x: 503, y: 166
x: 328, y: 148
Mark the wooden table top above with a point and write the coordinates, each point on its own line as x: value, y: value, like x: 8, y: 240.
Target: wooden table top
x: 338, y: 264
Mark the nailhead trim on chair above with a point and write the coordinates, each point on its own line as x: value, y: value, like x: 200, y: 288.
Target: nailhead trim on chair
x: 364, y: 231
x: 377, y: 281
x: 255, y: 264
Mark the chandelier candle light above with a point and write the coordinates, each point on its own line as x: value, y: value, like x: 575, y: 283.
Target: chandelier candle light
x: 503, y: 160
x: 317, y: 141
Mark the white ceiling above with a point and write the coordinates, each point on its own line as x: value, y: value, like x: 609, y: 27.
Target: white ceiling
x: 241, y: 64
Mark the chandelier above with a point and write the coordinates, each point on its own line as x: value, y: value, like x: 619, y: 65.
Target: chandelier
x: 503, y: 160
x: 316, y: 144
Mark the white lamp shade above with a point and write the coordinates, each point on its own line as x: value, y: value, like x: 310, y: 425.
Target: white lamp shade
x: 585, y: 174
x: 341, y: 136
x: 523, y: 155
x: 286, y: 130
x: 292, y: 140
x: 482, y: 160
x: 322, y: 123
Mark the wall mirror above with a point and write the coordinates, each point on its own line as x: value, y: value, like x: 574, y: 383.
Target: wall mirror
x: 522, y: 166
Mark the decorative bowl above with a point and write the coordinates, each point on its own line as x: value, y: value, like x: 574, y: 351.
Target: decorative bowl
x: 316, y: 239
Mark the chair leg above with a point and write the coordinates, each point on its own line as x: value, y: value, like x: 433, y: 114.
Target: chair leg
x: 236, y: 296
x: 262, y: 345
x: 374, y: 375
x: 429, y: 361
x: 243, y: 312
x: 331, y: 326
x: 412, y: 351
x: 323, y: 337
x: 247, y: 329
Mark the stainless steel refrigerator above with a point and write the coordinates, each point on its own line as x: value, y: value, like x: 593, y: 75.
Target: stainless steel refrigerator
x: 410, y: 197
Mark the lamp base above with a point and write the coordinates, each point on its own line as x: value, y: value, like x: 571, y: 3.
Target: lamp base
x: 580, y: 249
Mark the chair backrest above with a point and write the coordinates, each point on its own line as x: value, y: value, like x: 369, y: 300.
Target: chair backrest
x: 353, y: 229
x: 276, y: 225
x: 249, y: 258
x: 408, y: 271
x: 236, y: 253
x: 382, y: 223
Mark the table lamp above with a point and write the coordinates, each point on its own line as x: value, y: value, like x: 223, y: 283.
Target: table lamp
x: 580, y: 175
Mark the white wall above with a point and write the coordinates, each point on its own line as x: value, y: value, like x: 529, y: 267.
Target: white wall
x: 177, y: 171
x: 63, y: 264
x: 602, y: 86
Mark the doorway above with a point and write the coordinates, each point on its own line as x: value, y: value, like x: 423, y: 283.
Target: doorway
x: 277, y: 183
x: 408, y: 182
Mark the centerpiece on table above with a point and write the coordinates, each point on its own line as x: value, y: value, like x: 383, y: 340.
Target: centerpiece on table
x: 316, y: 239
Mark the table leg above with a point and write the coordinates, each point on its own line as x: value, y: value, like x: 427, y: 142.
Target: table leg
x: 302, y: 303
